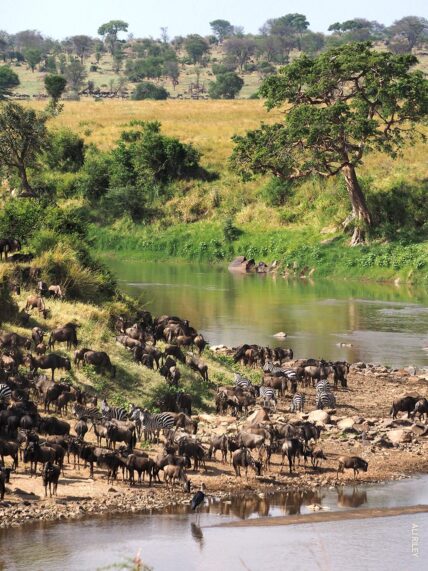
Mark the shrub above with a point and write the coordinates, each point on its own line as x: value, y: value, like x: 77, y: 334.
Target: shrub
x: 226, y: 86
x: 66, y: 151
x: 230, y: 232
x: 94, y: 177
x: 276, y: 192
x: 21, y: 218
x: 148, y: 90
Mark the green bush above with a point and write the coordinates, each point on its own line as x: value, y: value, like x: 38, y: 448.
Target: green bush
x: 148, y: 90
x: 226, y: 86
x: 277, y: 191
x: 230, y: 232
x: 21, y: 218
x: 94, y: 177
x: 66, y: 151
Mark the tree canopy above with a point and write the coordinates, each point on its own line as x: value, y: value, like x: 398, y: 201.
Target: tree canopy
x: 8, y: 79
x: 226, y: 86
x: 338, y: 106
x: 109, y: 31
x: 23, y: 136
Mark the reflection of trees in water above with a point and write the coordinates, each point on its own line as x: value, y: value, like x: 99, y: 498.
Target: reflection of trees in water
x: 240, y: 308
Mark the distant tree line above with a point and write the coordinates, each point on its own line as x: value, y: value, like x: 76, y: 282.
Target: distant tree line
x: 154, y: 59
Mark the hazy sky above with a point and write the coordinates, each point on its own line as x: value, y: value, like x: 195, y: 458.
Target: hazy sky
x: 61, y: 18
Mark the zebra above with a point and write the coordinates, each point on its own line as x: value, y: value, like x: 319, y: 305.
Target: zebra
x: 82, y: 413
x: 153, y: 423
x: 323, y: 385
x: 275, y: 371
x: 267, y: 394
x: 243, y: 383
x: 325, y: 399
x: 298, y: 402
x: 113, y: 412
x: 5, y: 394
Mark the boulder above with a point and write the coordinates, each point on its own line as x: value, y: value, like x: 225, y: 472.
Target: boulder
x: 259, y: 415
x: 345, y: 423
x: 399, y: 436
x: 241, y: 264
x: 319, y: 416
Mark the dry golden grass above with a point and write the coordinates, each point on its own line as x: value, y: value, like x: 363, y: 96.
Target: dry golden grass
x: 209, y: 125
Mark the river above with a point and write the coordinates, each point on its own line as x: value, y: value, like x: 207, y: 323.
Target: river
x: 333, y: 319
x: 176, y: 539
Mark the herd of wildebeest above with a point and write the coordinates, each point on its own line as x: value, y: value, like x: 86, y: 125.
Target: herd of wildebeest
x: 30, y: 434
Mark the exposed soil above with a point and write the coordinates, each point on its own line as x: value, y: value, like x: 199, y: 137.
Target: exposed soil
x: 368, y: 400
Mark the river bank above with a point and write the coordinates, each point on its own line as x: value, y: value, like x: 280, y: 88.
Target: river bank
x: 394, y: 450
x: 298, y: 251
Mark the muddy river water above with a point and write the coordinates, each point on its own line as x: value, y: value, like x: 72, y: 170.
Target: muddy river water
x: 178, y: 539
x: 334, y: 319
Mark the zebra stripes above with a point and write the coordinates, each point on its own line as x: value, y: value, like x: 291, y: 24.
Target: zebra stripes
x: 5, y: 393
x: 152, y: 424
x: 113, y: 412
x: 298, y: 402
x: 324, y: 395
x: 243, y: 383
x: 270, y: 368
x: 267, y: 394
x: 82, y: 413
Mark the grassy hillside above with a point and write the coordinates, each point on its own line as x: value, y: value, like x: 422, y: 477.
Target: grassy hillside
x: 190, y: 224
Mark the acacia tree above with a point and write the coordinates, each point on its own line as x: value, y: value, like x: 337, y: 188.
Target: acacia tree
x: 341, y: 105
x: 55, y: 86
x: 23, y: 136
x: 110, y: 30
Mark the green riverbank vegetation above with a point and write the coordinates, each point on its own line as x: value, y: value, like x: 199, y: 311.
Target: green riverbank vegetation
x: 154, y: 180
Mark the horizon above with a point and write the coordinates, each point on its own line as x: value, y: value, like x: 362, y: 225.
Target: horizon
x: 189, y: 17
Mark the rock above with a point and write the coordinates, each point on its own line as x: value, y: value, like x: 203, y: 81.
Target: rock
x: 280, y: 334
x: 419, y: 429
x: 399, y: 436
x: 345, y: 423
x: 319, y: 416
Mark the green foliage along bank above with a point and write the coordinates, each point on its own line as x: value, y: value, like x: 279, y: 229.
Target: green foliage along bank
x: 299, y: 250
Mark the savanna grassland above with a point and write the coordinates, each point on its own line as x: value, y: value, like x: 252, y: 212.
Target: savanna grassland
x: 304, y: 232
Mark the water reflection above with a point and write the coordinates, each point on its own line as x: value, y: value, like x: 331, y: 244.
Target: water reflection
x: 335, y: 319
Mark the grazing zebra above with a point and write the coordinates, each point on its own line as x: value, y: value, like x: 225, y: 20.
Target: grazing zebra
x: 325, y: 399
x: 243, y: 383
x: 267, y: 394
x: 271, y: 369
x: 153, y: 423
x: 113, y: 412
x: 298, y: 402
x: 323, y: 385
x: 5, y: 393
x: 82, y: 413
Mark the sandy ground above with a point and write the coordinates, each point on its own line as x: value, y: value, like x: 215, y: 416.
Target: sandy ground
x: 368, y: 401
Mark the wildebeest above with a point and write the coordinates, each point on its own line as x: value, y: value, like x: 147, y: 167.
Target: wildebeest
x: 51, y: 361
x: 403, y: 404
x: 36, y: 302
x: 197, y: 366
x: 174, y: 474
x: 351, y: 463
x: 421, y: 408
x: 79, y: 355
x: 8, y: 448
x: 52, y: 425
x: 242, y: 458
x: 67, y: 333
x: 37, y: 335
x: 11, y: 340
x: 100, y: 360
x: 8, y: 245
x: 35, y: 453
x: 50, y: 477
x: 218, y: 443
x: 340, y: 372
x: 56, y: 291
x: 4, y: 479
x: 292, y: 448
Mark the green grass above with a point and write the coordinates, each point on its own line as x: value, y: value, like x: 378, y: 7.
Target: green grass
x: 133, y: 383
x: 296, y: 248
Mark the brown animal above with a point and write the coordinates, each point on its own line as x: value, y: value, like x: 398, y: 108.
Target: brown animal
x: 173, y: 474
x: 55, y: 291
x: 100, y: 360
x: 67, y: 333
x: 351, y: 463
x: 36, y: 302
x: 51, y: 361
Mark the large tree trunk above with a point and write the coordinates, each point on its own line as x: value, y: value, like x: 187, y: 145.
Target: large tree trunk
x: 27, y: 190
x: 360, y: 211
